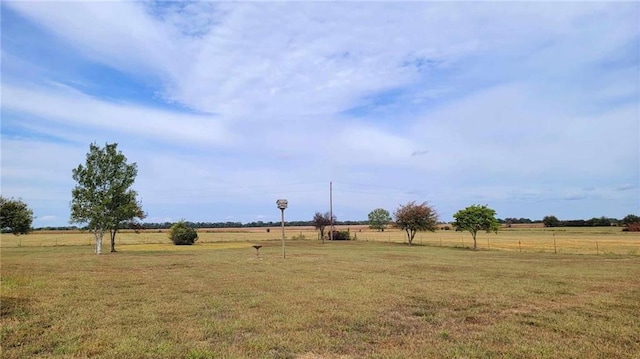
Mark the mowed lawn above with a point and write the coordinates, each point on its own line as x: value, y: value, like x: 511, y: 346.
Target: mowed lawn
x: 359, y: 299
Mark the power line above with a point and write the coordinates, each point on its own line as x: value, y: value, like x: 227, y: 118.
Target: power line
x: 371, y: 185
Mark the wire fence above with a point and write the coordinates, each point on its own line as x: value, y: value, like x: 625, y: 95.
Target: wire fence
x: 568, y: 241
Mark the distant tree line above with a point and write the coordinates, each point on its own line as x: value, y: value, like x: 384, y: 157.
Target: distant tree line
x: 553, y: 221
x: 513, y: 220
x: 257, y: 224
x: 548, y: 221
x: 59, y: 228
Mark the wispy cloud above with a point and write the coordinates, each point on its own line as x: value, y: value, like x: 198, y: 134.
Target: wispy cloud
x: 518, y: 106
x: 69, y: 108
x: 575, y: 196
x: 626, y: 187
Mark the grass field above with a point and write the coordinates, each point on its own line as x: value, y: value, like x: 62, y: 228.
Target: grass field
x: 590, y: 240
x: 359, y: 299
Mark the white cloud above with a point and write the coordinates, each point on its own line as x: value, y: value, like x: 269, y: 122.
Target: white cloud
x: 271, y: 59
x: 503, y: 128
x: 119, y: 34
x: 68, y: 107
x: 505, y: 102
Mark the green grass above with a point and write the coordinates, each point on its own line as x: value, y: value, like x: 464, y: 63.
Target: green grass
x: 338, y: 300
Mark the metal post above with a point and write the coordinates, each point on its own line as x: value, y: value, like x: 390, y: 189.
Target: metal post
x: 284, y: 255
x: 282, y: 205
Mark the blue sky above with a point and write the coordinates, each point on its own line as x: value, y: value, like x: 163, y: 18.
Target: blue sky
x: 531, y: 108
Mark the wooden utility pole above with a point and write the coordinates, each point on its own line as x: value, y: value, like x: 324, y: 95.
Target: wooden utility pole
x: 331, y: 209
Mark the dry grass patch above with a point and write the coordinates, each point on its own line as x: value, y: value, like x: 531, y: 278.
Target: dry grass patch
x: 339, y: 300
x: 596, y: 240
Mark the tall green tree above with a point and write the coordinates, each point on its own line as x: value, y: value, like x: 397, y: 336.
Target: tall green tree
x: 476, y: 218
x: 379, y: 218
x: 413, y: 217
x: 102, y: 198
x: 15, y: 216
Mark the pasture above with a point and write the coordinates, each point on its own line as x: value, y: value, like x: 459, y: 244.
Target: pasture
x: 370, y: 298
x: 586, y: 240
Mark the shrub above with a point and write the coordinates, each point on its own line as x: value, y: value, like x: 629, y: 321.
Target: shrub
x: 340, y: 235
x: 632, y: 227
x: 299, y: 237
x: 631, y: 223
x: 181, y: 234
x: 551, y: 221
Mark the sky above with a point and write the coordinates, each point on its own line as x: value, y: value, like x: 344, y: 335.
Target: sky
x: 531, y: 108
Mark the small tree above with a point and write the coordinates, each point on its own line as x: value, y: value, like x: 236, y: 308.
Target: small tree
x: 15, y: 216
x: 551, y: 221
x: 631, y: 223
x: 474, y: 219
x: 321, y: 221
x: 181, y: 234
x: 103, y: 197
x: 379, y: 218
x: 413, y: 217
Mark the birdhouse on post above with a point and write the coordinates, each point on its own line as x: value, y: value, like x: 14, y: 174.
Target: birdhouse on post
x: 282, y: 205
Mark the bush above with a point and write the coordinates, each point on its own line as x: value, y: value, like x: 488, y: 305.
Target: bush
x: 340, y: 235
x: 551, y: 221
x: 181, y: 234
x: 632, y: 227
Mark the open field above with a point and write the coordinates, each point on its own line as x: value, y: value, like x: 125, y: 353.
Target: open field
x: 587, y: 240
x: 358, y: 299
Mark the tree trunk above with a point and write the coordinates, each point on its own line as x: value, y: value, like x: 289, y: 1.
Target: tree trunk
x: 411, y: 235
x: 475, y: 245
x: 113, y: 239
x: 98, y: 234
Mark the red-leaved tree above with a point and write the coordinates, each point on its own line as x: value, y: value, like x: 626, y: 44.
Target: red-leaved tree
x: 413, y: 218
